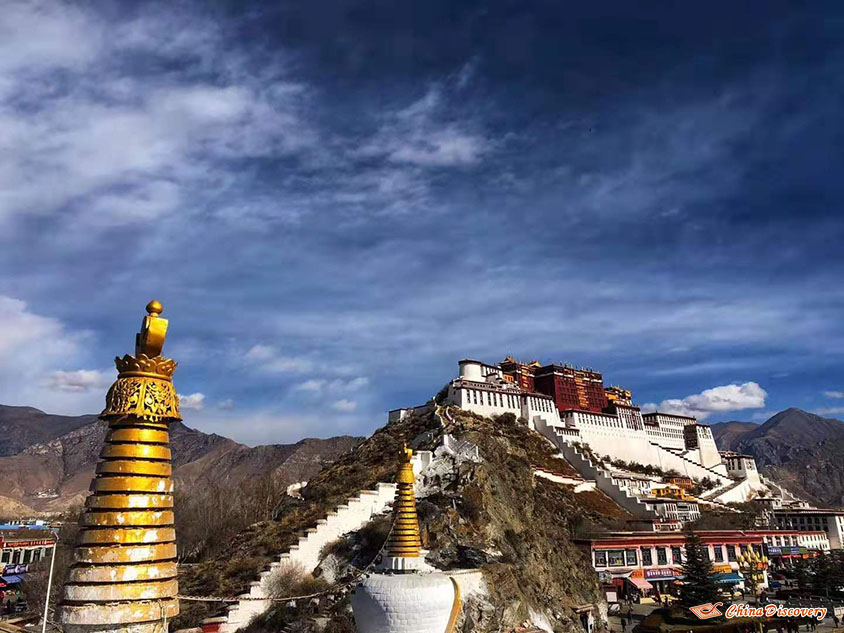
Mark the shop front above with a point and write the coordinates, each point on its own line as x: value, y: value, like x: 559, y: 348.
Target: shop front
x: 662, y: 580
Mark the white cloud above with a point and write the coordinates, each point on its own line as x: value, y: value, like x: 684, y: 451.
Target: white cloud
x: 338, y: 385
x: 269, y: 359
x: 721, y: 399
x: 420, y: 135
x: 314, y: 385
x: 81, y: 380
x: 344, y: 405
x: 66, y: 37
x: 33, y: 348
x: 830, y: 411
x: 226, y: 405
x: 194, y: 401
x: 834, y: 394
x: 113, y: 147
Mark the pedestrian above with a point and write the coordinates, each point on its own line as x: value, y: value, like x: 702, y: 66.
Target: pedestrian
x: 623, y: 624
x: 835, y: 619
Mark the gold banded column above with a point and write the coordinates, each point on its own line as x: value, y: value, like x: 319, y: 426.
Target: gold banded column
x: 123, y: 576
x: 404, y: 541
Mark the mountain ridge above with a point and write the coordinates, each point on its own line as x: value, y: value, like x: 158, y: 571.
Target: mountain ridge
x: 797, y: 449
x: 51, y: 474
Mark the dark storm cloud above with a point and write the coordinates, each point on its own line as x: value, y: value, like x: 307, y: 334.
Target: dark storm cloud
x: 337, y: 200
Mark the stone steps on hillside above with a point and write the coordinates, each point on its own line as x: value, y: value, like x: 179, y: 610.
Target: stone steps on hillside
x: 587, y: 469
x: 681, y: 455
x: 350, y: 516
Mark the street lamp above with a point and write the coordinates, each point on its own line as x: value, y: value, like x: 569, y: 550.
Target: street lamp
x: 49, y: 582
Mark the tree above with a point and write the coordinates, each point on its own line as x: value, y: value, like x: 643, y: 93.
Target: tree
x: 698, y: 585
x: 821, y: 575
x: 801, y: 576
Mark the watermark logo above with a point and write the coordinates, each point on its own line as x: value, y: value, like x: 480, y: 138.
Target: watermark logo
x: 709, y: 610
x: 706, y: 611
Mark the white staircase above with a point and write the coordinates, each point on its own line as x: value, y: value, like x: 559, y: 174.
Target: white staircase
x: 588, y: 470
x: 709, y: 472
x: 350, y: 516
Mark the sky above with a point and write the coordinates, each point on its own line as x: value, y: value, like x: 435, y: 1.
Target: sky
x: 336, y: 201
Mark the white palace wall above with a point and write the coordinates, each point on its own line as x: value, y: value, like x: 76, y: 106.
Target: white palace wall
x: 656, y: 439
x: 491, y: 399
x: 707, y: 449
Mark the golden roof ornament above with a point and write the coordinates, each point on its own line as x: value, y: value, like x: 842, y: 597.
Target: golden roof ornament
x: 124, y: 572
x: 144, y: 385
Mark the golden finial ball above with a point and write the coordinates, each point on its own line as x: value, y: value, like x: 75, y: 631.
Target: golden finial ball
x: 154, y: 308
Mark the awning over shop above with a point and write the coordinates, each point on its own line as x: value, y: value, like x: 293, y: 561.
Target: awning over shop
x: 727, y: 579
x: 12, y: 579
x: 641, y: 583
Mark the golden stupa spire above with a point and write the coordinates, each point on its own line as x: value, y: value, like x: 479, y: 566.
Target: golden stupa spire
x: 404, y: 541
x: 123, y: 576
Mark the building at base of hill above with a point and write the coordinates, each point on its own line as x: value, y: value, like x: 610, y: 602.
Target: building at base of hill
x: 22, y: 549
x: 642, y: 565
x: 808, y: 520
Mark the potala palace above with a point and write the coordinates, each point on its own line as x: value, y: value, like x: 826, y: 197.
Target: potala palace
x: 609, y: 440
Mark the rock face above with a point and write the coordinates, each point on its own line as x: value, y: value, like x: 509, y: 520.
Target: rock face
x: 55, y: 462
x: 727, y: 434
x: 800, y: 450
x: 21, y: 427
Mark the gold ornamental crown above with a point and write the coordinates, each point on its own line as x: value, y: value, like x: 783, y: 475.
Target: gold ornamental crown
x: 143, y: 366
x: 144, y: 385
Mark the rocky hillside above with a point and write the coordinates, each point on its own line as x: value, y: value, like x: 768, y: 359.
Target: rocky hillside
x: 727, y: 434
x: 21, y: 427
x: 53, y: 473
x: 800, y: 450
x: 493, y: 515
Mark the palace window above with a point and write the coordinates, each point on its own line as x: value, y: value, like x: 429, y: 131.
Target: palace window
x: 731, y: 552
x: 661, y: 556
x: 600, y: 558
x: 630, y: 555
x: 6, y: 556
x: 647, y: 557
x: 616, y: 557
x: 676, y: 555
x: 718, y: 553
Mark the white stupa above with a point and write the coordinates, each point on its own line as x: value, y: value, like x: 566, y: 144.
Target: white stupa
x: 405, y: 595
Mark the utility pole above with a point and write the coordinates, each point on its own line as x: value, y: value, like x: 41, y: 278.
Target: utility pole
x: 49, y: 583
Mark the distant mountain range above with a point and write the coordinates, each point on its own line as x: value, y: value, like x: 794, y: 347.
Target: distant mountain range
x: 802, y: 451
x: 47, y: 461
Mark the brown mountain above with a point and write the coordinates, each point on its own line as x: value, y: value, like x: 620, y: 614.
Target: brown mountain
x: 727, y: 434
x: 24, y: 426
x: 800, y: 450
x: 53, y: 472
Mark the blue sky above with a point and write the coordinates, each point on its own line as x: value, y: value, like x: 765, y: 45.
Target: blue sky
x: 336, y: 201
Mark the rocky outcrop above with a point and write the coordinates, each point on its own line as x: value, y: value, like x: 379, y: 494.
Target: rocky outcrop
x: 21, y: 427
